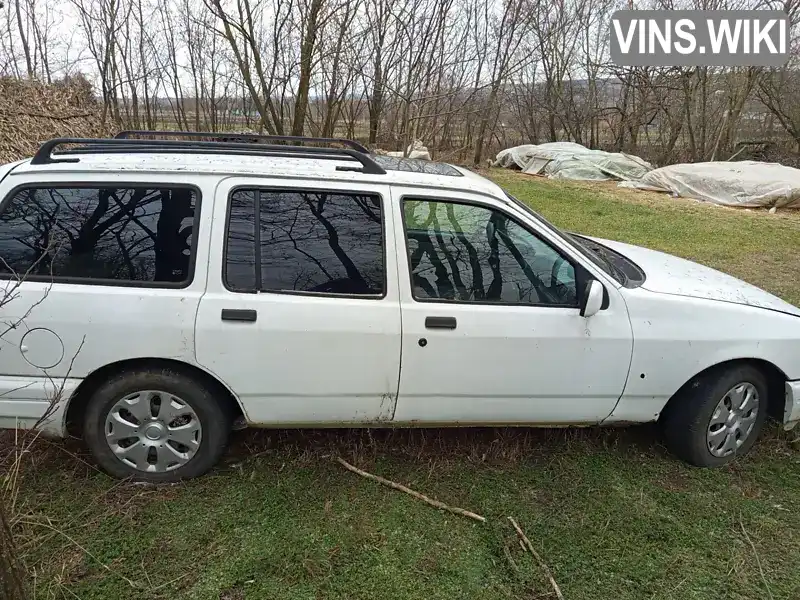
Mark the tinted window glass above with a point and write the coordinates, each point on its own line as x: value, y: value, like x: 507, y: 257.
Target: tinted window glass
x: 470, y: 253
x: 312, y: 242
x: 120, y: 234
x: 240, y: 256
x: 321, y: 242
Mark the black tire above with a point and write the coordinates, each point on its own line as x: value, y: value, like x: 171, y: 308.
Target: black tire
x: 687, y: 417
x: 214, y: 419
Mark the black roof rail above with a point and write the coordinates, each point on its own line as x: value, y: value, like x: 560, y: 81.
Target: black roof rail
x: 255, y: 137
x: 44, y: 155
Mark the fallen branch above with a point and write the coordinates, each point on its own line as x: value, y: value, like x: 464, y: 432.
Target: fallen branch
x: 410, y: 492
x: 510, y: 558
x: 53, y: 117
x: 527, y: 543
x: 170, y: 582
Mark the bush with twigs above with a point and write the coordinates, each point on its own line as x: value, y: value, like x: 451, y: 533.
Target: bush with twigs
x: 31, y: 112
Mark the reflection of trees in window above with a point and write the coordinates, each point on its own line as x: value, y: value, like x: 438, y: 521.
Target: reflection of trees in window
x: 134, y: 234
x: 472, y: 253
x: 451, y: 253
x: 319, y: 242
x: 465, y: 252
x: 419, y: 232
x: 240, y: 247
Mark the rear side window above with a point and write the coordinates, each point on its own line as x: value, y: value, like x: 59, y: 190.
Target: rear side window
x: 308, y: 242
x: 111, y: 235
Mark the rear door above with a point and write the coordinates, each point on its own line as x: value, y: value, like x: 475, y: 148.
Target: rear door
x: 301, y: 317
x: 492, y: 331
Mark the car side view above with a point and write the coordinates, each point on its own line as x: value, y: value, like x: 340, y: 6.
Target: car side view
x: 161, y: 289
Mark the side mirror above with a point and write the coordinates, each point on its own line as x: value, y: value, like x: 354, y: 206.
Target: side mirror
x: 592, y: 299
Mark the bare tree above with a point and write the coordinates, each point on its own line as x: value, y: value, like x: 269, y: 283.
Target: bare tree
x: 23, y: 32
x: 506, y: 33
x: 466, y: 77
x: 779, y: 90
x: 102, y: 21
x: 249, y: 43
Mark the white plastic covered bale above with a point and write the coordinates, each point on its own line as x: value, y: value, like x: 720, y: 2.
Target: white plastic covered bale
x: 415, y: 150
x: 516, y: 157
x: 744, y: 184
x: 568, y: 160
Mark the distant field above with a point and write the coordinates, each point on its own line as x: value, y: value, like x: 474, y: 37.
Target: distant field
x: 612, y: 514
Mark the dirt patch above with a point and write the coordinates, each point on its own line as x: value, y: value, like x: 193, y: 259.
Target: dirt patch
x: 234, y: 593
x: 676, y: 481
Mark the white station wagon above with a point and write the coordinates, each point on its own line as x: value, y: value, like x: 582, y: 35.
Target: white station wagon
x: 160, y: 292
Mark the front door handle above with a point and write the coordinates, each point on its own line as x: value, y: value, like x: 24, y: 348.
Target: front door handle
x: 440, y: 322
x: 236, y: 314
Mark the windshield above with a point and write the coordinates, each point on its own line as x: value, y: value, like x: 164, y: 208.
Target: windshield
x: 594, y: 252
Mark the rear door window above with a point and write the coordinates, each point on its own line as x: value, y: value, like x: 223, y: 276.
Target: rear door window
x: 306, y: 242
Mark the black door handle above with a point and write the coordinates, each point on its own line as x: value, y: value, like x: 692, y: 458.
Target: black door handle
x: 237, y: 314
x: 440, y: 322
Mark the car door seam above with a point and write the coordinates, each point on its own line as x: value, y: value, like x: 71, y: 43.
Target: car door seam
x: 397, y: 242
x: 630, y: 359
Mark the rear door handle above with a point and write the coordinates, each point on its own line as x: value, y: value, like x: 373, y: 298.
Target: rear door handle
x: 237, y: 314
x: 440, y: 322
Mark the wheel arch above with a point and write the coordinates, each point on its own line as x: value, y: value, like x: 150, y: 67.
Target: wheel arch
x: 775, y: 382
x: 79, y: 400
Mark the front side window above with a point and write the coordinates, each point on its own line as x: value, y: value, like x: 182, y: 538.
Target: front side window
x: 306, y: 242
x: 469, y: 253
x: 626, y: 273
x: 104, y: 234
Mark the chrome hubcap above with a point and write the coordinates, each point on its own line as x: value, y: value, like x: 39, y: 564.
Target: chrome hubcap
x: 733, y: 420
x: 153, y: 431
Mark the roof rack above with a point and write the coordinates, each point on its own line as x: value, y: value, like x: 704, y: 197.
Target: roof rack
x: 226, y: 136
x: 44, y: 155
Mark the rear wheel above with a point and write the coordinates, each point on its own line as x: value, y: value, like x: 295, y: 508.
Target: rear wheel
x: 155, y: 425
x: 717, y: 417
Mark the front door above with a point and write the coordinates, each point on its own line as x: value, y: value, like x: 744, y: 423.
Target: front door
x: 301, y: 317
x: 492, y: 331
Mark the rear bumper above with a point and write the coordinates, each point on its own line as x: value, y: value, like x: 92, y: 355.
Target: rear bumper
x: 791, y: 407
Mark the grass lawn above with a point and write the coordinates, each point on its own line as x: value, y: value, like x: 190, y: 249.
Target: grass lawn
x: 612, y: 515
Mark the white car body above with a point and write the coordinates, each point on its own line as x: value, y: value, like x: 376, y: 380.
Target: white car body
x: 342, y: 361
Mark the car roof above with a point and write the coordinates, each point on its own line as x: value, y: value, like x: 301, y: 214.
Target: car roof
x: 399, y: 172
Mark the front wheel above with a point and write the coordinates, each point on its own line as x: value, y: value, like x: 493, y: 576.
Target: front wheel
x: 155, y: 425
x: 717, y: 417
